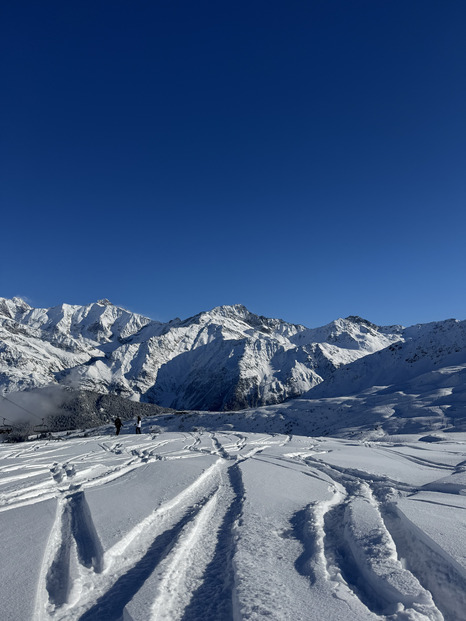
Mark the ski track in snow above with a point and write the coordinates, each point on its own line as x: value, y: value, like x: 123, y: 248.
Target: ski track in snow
x: 104, y: 583
x: 386, y: 565
x: 178, y: 563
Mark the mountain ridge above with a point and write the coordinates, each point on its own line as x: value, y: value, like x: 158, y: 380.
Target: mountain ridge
x: 223, y: 359
x: 349, y: 377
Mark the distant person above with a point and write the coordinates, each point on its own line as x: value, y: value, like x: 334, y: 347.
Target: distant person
x: 138, y: 425
x: 118, y: 425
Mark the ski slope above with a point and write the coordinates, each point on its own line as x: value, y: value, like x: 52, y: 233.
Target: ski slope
x: 226, y: 525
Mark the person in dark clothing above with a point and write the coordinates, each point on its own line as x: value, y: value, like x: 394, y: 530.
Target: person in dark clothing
x: 118, y: 425
x: 138, y: 425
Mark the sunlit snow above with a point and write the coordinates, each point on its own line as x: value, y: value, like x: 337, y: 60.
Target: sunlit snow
x: 222, y: 525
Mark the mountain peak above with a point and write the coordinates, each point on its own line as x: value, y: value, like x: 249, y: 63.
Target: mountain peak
x: 231, y: 309
x: 360, y: 320
x: 14, y: 307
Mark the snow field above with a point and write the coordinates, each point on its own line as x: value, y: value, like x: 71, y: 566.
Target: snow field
x: 231, y: 526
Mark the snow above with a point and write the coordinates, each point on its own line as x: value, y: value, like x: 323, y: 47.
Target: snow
x: 233, y: 524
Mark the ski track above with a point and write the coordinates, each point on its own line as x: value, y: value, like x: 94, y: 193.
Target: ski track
x: 106, y: 582
x: 185, y: 548
x: 435, y: 569
x: 198, y: 582
x: 82, y: 583
x: 47, y: 489
x: 409, y: 576
x: 181, y: 573
x: 111, y: 604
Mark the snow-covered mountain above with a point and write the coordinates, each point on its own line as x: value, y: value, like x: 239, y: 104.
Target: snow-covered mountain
x: 224, y: 359
x: 36, y: 345
x: 423, y: 351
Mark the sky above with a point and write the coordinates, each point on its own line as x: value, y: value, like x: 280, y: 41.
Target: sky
x: 306, y: 159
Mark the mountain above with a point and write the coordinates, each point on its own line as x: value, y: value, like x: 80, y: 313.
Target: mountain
x: 424, y: 350
x: 224, y: 359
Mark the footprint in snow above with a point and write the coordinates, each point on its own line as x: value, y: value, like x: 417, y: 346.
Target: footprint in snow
x: 57, y: 473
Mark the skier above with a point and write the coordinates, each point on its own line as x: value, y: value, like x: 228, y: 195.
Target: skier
x: 138, y: 425
x: 118, y: 425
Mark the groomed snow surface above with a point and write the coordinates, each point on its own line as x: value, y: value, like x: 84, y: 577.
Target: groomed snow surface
x: 226, y: 525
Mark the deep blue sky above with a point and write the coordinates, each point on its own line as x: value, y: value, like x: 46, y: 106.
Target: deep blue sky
x: 304, y: 158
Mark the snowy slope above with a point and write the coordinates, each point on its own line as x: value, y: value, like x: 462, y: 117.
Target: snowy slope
x: 425, y: 349
x: 232, y: 525
x: 223, y: 359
